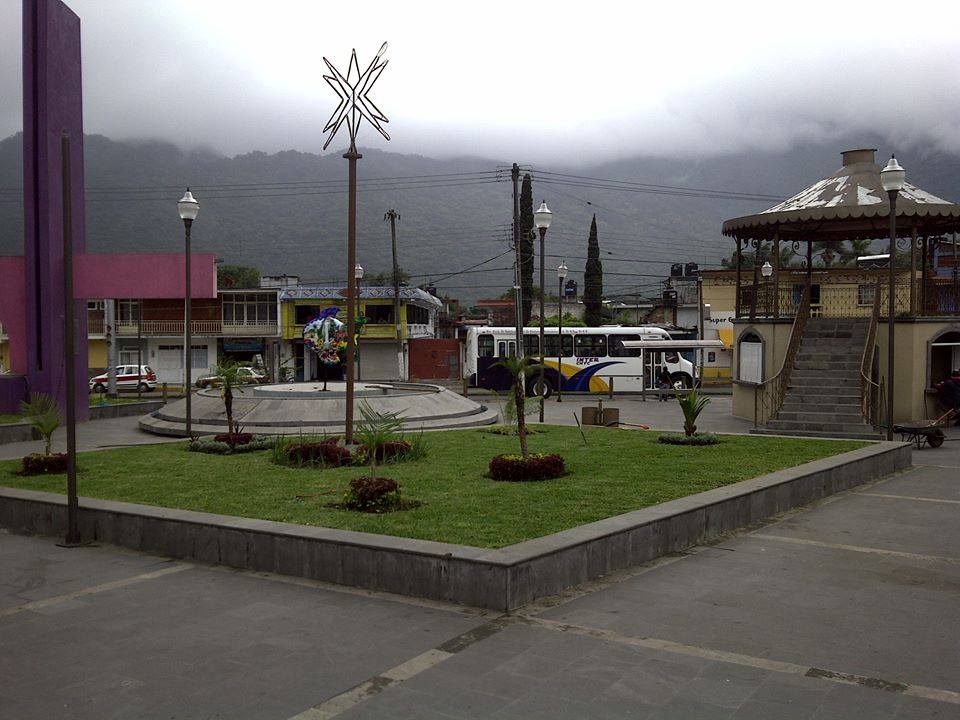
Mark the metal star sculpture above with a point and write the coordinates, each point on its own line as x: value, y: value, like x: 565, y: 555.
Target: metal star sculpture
x: 354, y: 101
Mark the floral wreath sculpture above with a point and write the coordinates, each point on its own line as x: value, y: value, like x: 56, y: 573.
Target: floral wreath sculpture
x: 326, y: 336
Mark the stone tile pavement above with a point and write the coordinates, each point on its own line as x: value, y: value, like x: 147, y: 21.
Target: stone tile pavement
x: 846, y: 609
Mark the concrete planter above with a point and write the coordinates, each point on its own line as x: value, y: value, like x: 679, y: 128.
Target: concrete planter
x: 17, y: 432
x: 503, y: 579
x: 99, y: 412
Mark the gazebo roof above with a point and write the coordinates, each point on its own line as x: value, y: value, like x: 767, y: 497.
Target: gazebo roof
x: 851, y: 203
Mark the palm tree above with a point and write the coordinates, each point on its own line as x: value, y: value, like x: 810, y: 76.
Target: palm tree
x: 692, y: 404
x: 42, y: 413
x: 858, y: 248
x: 229, y: 375
x: 826, y: 251
x: 520, y: 368
x: 376, y: 430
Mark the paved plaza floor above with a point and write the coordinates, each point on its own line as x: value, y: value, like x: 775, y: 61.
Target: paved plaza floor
x: 845, y: 609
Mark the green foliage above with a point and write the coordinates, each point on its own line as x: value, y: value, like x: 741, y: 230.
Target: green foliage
x: 520, y: 368
x: 527, y: 235
x: 692, y: 404
x: 217, y: 447
x: 229, y: 374
x: 678, y: 439
x: 43, y: 414
x: 375, y: 430
x: 568, y: 321
x: 593, y: 280
x: 231, y: 277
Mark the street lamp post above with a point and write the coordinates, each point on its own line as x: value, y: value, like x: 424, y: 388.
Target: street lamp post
x: 892, y: 178
x: 189, y: 208
x: 355, y: 105
x: 542, y: 219
x: 766, y: 271
x: 561, y: 276
x: 358, y: 276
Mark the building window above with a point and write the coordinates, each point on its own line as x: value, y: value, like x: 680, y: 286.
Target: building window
x: 198, y: 357
x: 305, y: 313
x: 417, y: 315
x: 590, y: 345
x: 128, y: 312
x: 249, y: 309
x: 94, y: 304
x: 750, y: 358
x: 866, y: 294
x: 944, y: 356
x: 379, y: 314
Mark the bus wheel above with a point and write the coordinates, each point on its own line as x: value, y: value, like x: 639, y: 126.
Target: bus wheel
x: 681, y: 381
x: 542, y: 391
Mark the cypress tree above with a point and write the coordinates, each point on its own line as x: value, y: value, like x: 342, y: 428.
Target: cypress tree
x: 526, y: 246
x: 593, y: 280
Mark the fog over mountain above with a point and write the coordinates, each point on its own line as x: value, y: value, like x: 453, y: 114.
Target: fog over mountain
x: 286, y: 212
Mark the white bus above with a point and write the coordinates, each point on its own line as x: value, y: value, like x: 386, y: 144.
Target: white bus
x: 588, y: 358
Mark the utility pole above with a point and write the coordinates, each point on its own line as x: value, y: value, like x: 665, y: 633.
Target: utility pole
x: 515, y: 177
x: 69, y: 348
x: 109, y: 316
x: 393, y: 216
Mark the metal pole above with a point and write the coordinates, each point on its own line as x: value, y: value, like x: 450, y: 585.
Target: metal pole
x: 139, y: 346
x: 352, y: 156
x: 543, y: 291
x: 891, y: 310
x: 956, y: 294
x: 756, y: 280
x: 69, y: 349
x: 187, y: 335
x: 913, y: 271
x: 560, y: 345
x: 923, y: 274
x: 518, y: 298
x: 700, y: 328
x: 393, y: 216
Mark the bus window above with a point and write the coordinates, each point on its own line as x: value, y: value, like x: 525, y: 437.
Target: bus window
x: 550, y: 343
x: 531, y: 344
x: 671, y: 357
x: 506, y: 348
x: 590, y: 345
x: 618, y: 350
x: 484, y: 345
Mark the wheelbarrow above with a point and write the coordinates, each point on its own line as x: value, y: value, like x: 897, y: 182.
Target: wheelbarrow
x: 926, y: 433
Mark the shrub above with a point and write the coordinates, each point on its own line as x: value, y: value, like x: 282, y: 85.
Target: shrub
x: 697, y: 439
x: 218, y: 447
x: 389, y: 451
x: 42, y: 413
x: 692, y: 404
x: 237, y: 438
x: 327, y: 452
x: 517, y: 468
x: 38, y: 464
x: 373, y: 495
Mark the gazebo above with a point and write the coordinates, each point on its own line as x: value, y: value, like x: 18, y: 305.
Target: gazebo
x: 849, y: 205
x: 845, y: 215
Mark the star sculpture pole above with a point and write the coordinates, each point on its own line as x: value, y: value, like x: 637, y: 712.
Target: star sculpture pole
x: 355, y: 105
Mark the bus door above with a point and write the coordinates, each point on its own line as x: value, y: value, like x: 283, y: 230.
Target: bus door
x: 629, y: 368
x: 653, y: 365
x: 490, y: 374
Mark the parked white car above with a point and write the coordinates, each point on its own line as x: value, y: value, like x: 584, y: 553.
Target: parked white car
x: 127, y: 379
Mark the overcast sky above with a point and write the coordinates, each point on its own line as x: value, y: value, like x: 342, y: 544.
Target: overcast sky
x: 572, y: 81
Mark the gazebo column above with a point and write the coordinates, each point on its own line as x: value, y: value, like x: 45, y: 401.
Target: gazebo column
x: 809, y: 278
x: 956, y: 278
x: 756, y: 279
x: 776, y: 274
x: 924, y: 261
x: 739, y: 263
x: 913, y: 271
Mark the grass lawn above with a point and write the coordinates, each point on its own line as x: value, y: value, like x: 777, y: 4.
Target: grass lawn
x: 617, y: 471
x: 6, y: 419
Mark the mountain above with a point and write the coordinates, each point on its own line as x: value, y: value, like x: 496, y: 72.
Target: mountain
x: 286, y: 212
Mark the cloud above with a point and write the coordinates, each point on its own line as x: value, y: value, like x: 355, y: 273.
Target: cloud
x: 558, y: 82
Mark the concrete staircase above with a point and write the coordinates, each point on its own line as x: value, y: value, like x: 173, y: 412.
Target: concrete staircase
x: 823, y: 399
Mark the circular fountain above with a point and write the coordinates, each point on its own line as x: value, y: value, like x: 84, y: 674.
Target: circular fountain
x: 306, y: 408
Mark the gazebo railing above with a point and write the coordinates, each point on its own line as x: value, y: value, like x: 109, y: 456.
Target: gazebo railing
x: 769, y: 395
x: 870, y: 391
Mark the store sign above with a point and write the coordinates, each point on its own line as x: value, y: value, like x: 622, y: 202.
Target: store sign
x: 243, y: 345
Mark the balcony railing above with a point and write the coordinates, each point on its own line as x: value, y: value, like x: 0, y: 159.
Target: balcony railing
x: 851, y: 301
x: 174, y: 328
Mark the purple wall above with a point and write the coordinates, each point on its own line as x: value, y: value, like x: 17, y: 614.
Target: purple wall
x: 52, y: 105
x: 13, y: 389
x: 12, y: 290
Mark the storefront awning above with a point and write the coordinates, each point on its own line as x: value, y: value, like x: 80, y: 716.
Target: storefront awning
x: 726, y: 337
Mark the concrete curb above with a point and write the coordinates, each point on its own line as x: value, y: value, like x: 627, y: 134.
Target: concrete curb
x: 17, y: 432
x: 100, y: 412
x: 501, y: 579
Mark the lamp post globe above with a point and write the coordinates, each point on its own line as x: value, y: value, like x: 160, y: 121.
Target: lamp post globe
x: 562, y: 271
x: 767, y: 269
x: 358, y: 271
x: 188, y: 208
x: 543, y: 216
x: 892, y: 177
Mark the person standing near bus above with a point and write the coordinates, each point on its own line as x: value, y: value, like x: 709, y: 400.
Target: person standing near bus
x: 664, y: 384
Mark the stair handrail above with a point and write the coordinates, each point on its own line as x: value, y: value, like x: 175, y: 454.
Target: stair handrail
x: 771, y: 392
x: 869, y: 390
